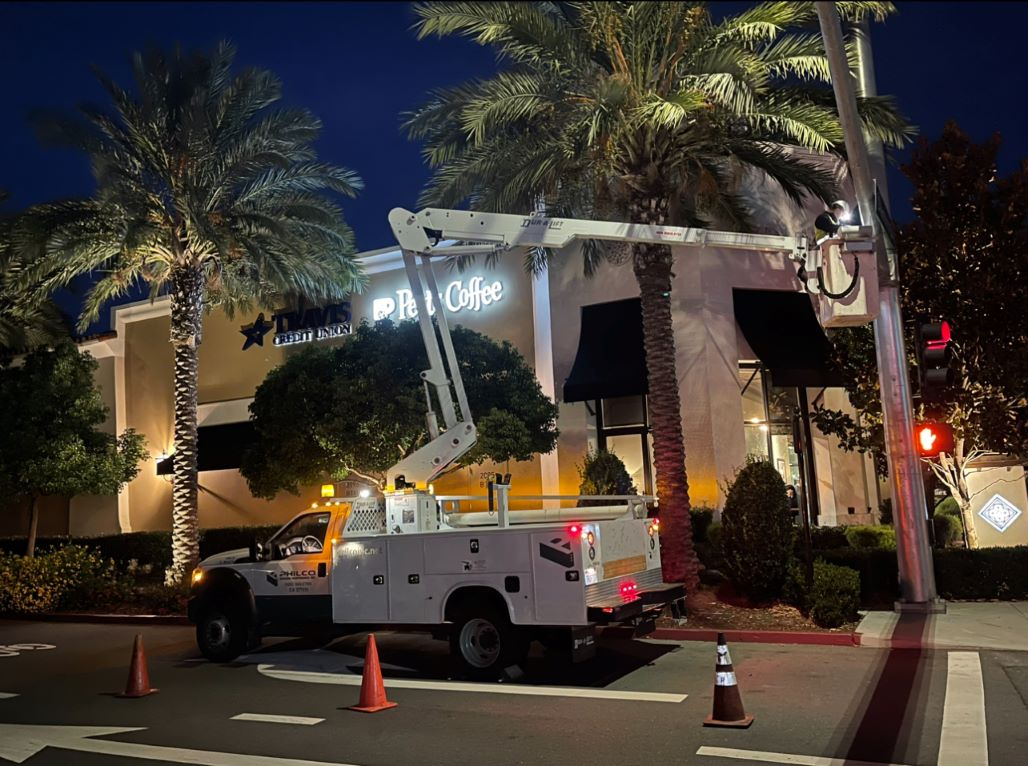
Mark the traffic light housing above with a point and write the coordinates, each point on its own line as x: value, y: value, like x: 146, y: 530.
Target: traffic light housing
x: 932, y: 438
x: 934, y: 355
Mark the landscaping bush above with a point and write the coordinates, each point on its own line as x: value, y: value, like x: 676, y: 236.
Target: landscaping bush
x: 885, y: 511
x: 865, y: 537
x: 701, y: 518
x: 835, y: 595
x: 948, y: 507
x: 603, y: 473
x: 984, y: 573
x: 826, y: 538
x: 52, y: 580
x: 757, y: 533
x: 948, y: 530
x: 795, y: 591
x: 147, y: 554
x: 876, y: 567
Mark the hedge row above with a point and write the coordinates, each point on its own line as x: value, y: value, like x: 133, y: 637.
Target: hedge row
x: 153, y: 548
x: 986, y: 573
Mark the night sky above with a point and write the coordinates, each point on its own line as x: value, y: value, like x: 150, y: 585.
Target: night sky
x: 358, y: 66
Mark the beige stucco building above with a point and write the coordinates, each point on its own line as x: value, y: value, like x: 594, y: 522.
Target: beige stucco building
x: 731, y: 405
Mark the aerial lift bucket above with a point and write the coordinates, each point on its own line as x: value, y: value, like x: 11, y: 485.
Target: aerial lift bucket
x: 848, y: 285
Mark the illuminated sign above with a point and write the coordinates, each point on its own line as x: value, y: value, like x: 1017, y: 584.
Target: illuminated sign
x: 1000, y: 513
x: 458, y: 296
x: 319, y: 323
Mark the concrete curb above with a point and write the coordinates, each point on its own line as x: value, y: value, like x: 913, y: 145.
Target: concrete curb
x: 757, y: 636
x: 104, y: 619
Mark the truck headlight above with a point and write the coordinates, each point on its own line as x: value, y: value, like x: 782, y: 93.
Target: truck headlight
x: 197, y: 576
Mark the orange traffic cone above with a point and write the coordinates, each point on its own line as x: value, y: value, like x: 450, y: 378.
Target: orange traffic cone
x: 139, y: 677
x: 373, y: 694
x: 728, y: 710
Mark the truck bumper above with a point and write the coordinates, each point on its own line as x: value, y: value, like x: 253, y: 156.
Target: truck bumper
x: 639, y: 614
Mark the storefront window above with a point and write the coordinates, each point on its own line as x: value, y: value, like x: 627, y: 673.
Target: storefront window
x: 622, y: 427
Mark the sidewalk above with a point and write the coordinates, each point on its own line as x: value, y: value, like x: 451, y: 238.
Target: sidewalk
x: 967, y: 625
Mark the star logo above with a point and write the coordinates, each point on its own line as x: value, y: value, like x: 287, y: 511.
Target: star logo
x: 255, y: 332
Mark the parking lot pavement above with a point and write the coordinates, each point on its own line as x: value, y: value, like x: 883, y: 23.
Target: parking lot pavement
x: 639, y: 702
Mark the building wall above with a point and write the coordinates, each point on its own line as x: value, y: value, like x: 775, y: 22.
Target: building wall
x: 1009, y: 483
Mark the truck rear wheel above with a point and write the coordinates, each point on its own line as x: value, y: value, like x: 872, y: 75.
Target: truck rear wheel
x: 484, y: 642
x: 221, y: 634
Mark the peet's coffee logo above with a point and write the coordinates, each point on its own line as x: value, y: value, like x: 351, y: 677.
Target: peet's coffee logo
x: 474, y: 295
x: 319, y: 323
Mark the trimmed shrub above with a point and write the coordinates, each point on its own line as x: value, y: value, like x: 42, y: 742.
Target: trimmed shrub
x: 877, y: 568
x: 757, y: 533
x: 603, y: 473
x: 864, y: 537
x: 702, y: 518
x: 985, y: 573
x: 826, y: 538
x: 52, y: 580
x: 948, y: 530
x: 948, y: 507
x: 794, y: 591
x: 885, y: 511
x: 146, y: 553
x: 835, y: 595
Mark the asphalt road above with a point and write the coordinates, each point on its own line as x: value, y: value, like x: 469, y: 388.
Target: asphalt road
x: 823, y: 706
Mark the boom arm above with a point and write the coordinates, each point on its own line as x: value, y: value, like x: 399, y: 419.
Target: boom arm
x: 421, y: 234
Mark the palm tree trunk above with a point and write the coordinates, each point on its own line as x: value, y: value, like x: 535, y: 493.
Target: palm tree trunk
x: 30, y: 549
x: 186, y: 333
x: 652, y: 265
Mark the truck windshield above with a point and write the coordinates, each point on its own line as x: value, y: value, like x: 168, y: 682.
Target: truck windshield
x: 304, y: 534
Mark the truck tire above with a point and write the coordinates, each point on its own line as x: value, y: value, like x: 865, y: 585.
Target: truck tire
x: 484, y: 643
x: 222, y: 634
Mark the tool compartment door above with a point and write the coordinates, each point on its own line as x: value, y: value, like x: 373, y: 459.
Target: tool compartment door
x: 360, y: 580
x: 558, y: 584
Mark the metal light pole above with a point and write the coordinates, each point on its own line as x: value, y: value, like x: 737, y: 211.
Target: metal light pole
x: 917, y: 576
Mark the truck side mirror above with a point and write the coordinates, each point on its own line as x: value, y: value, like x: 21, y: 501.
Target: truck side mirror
x: 256, y: 550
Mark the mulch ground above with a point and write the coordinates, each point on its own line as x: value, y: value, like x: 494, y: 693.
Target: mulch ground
x: 719, y: 608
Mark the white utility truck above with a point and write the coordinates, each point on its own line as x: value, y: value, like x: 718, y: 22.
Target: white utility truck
x: 490, y: 581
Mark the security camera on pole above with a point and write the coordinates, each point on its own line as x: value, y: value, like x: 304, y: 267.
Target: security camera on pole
x: 916, y: 573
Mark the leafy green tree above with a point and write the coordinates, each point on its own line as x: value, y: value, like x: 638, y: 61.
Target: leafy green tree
x: 204, y: 193
x: 963, y: 260
x: 359, y: 408
x: 50, y: 443
x: 25, y: 320
x: 645, y: 112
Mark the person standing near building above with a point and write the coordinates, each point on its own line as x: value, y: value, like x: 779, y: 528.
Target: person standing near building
x: 794, y: 502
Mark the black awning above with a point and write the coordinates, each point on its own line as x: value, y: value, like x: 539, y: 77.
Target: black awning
x: 611, y: 360
x: 784, y: 333
x: 219, y: 447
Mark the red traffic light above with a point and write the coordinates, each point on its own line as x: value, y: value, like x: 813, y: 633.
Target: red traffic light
x: 933, y: 438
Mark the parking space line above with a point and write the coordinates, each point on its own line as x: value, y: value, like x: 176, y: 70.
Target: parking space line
x: 297, y: 719
x: 792, y: 759
x: 7, y: 695
x: 482, y: 688
x: 964, y: 737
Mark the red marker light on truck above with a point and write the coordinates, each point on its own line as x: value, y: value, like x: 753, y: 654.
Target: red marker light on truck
x: 574, y: 530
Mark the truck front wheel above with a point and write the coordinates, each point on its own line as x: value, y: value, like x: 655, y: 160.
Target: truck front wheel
x: 221, y: 634
x: 484, y: 642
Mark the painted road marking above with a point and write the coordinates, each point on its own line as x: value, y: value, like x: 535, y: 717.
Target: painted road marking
x: 297, y: 719
x: 788, y: 758
x: 7, y: 695
x: 460, y: 686
x: 964, y: 737
x: 19, y: 743
x: 13, y: 650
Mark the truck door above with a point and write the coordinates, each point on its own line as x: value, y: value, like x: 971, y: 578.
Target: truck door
x: 293, y: 585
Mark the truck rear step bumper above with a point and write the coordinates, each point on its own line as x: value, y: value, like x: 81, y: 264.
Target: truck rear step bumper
x: 646, y: 605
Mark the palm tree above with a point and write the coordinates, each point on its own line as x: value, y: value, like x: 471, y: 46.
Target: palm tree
x: 202, y: 192
x: 645, y: 112
x: 26, y: 321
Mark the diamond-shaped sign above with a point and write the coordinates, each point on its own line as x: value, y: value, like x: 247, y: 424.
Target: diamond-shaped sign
x: 1000, y: 512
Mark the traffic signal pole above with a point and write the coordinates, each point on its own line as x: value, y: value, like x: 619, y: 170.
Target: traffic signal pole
x: 916, y: 573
